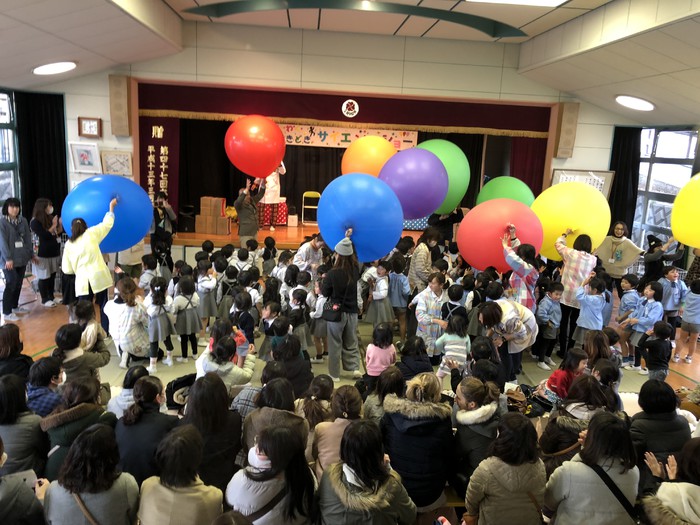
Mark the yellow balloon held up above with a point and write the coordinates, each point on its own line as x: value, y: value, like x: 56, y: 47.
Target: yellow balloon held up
x: 685, y: 214
x: 574, y: 205
x: 367, y: 155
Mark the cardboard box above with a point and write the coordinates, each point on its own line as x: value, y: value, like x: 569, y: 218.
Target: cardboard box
x: 204, y: 202
x: 218, y: 206
x: 222, y: 225
x: 205, y: 210
x: 209, y: 225
x: 293, y: 221
x: 199, y: 224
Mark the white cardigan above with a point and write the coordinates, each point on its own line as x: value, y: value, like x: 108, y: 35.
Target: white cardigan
x: 84, y: 259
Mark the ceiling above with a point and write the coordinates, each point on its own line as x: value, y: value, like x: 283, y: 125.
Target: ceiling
x: 662, y: 64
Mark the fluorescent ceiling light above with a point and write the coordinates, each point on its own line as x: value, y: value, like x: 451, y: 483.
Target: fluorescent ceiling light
x: 54, y: 69
x: 533, y: 3
x: 634, y: 103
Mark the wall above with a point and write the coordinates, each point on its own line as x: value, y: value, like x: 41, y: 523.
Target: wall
x: 351, y: 63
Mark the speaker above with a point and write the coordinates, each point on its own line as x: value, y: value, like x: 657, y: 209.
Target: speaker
x: 567, y: 121
x: 119, y: 105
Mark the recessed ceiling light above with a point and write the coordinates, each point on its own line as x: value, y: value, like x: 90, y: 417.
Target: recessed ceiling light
x: 54, y: 68
x: 634, y: 103
x: 532, y: 3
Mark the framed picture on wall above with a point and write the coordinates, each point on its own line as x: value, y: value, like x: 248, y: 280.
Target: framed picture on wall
x: 85, y: 157
x: 116, y: 162
x: 600, y: 179
x: 90, y: 127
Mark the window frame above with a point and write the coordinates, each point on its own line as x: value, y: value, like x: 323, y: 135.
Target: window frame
x: 12, y: 126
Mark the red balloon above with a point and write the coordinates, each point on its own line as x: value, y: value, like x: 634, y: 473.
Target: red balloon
x: 480, y: 235
x: 255, y: 145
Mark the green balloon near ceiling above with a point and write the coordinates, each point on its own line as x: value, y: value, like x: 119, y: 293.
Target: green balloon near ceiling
x: 458, y: 172
x: 506, y: 188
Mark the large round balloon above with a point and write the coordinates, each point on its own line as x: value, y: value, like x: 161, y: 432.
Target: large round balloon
x: 458, y: 172
x: 419, y: 180
x: 685, y: 214
x: 368, y: 206
x: 255, y: 145
x: 480, y: 234
x: 367, y: 155
x: 506, y: 188
x: 573, y: 205
x: 133, y: 214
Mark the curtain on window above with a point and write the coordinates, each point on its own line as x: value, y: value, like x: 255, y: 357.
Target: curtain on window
x: 41, y: 140
x: 624, y: 160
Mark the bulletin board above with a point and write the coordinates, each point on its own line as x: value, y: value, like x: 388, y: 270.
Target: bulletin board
x: 599, y: 179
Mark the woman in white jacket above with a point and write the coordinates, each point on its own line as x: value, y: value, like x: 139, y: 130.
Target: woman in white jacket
x: 219, y: 360
x: 576, y: 493
x: 82, y: 257
x: 128, y: 321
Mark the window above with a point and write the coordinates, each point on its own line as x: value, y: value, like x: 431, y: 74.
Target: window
x: 8, y: 148
x: 666, y: 166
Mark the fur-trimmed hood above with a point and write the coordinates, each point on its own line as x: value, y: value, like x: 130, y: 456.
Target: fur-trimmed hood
x: 674, y: 504
x: 355, y: 498
x: 477, y: 416
x: 415, y: 409
x: 68, y: 416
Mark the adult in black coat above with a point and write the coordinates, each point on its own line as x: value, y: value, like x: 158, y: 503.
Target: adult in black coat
x: 207, y: 410
x: 477, y: 422
x: 141, y: 428
x: 414, y: 359
x: 12, y: 360
x: 657, y: 429
x: 418, y: 438
x: 298, y: 367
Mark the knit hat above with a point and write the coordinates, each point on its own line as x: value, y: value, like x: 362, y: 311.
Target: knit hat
x: 344, y: 247
x: 654, y: 242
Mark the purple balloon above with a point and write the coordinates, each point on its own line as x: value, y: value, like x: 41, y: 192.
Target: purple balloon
x: 419, y: 180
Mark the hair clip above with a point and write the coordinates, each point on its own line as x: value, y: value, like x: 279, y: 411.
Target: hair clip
x: 156, y: 288
x: 313, y: 398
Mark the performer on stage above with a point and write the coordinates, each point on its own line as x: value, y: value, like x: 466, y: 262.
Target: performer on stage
x: 272, y: 196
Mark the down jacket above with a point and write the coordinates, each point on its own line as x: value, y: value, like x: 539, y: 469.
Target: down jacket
x: 674, y: 504
x: 418, y: 438
x: 343, y: 503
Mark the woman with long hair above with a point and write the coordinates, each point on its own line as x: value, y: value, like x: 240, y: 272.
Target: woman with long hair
x: 90, y: 478
x: 177, y: 496
x: 340, y: 288
x: 391, y: 381
x: 363, y: 488
x: 83, y: 259
x: 576, y: 492
x: 508, y: 486
x: 79, y: 409
x: 142, y: 427
x: 208, y: 411
x: 46, y: 226
x: 315, y: 406
x: 279, y: 473
x: 12, y: 360
x: 618, y: 253
x: 15, y: 253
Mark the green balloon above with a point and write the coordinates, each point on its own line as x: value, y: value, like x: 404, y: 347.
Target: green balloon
x: 457, y: 167
x: 506, y: 188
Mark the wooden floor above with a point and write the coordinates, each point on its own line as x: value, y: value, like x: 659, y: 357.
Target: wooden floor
x: 40, y: 324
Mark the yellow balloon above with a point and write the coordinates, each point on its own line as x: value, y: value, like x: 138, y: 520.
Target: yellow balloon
x: 573, y: 205
x: 685, y: 214
x: 367, y: 155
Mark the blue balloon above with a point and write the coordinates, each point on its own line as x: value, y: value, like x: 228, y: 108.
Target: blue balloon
x: 368, y: 206
x: 133, y: 214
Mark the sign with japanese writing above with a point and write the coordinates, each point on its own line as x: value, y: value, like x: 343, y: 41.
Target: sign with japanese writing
x: 330, y: 137
x: 160, y: 157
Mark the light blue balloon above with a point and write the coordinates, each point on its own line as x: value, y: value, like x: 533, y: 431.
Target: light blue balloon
x: 133, y: 215
x: 368, y: 206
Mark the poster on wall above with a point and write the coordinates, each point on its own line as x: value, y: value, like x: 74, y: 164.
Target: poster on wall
x: 160, y: 157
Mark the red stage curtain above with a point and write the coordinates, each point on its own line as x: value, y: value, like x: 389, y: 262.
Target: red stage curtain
x: 527, y: 159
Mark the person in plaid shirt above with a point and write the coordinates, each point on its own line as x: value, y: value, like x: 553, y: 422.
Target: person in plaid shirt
x: 578, y: 264
x: 524, y: 276
x: 44, y: 378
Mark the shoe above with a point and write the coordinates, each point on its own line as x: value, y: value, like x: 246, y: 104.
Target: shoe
x: 543, y: 365
x: 20, y: 310
x: 335, y: 379
x: 643, y: 372
x: 123, y: 365
x: 550, y: 361
x: 272, y: 228
x: 688, y: 359
x: 202, y: 342
x: 356, y: 374
x: 57, y: 300
x: 676, y: 358
x: 152, y: 369
x: 182, y: 360
x: 317, y: 360
x: 10, y: 317
x: 168, y: 361
x: 632, y: 367
x: 535, y: 357
x: 49, y: 304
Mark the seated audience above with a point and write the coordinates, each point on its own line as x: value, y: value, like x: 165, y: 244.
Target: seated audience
x: 315, y: 407
x: 363, y: 488
x: 12, y: 360
x: 44, y: 378
x: 118, y: 404
x: 414, y: 358
x: 298, y: 367
x: 177, y: 496
x: 390, y: 381
x: 244, y: 402
x: 576, y: 491
x: 18, y: 503
x: 90, y: 482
